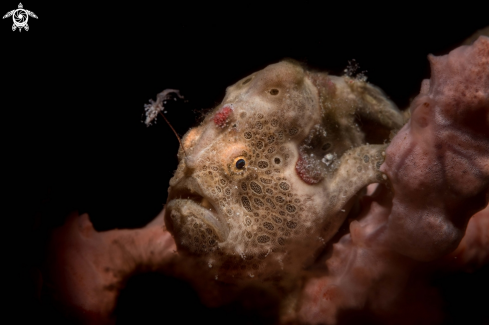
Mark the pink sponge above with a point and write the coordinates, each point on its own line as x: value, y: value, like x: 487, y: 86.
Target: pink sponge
x: 438, y: 163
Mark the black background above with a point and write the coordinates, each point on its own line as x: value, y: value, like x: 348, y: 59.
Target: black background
x: 74, y: 86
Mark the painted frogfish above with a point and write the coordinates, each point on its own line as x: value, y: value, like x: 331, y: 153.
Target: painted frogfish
x: 272, y: 172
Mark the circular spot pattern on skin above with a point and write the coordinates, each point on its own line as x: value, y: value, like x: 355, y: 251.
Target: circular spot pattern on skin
x: 262, y: 164
x: 255, y: 187
x: 293, y: 131
x: 290, y: 208
x: 258, y: 202
x: 263, y: 239
x: 284, y: 186
x: 246, y: 203
x: 378, y: 164
x: 259, y: 145
x: 279, y: 199
x: 291, y: 224
x: 270, y: 202
x: 266, y: 180
x: 268, y: 226
x: 276, y: 219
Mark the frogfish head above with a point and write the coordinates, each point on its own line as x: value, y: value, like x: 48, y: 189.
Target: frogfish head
x: 255, y: 191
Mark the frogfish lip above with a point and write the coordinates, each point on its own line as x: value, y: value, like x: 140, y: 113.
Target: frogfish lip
x: 188, y: 209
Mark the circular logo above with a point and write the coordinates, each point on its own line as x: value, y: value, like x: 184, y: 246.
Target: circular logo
x: 20, y: 17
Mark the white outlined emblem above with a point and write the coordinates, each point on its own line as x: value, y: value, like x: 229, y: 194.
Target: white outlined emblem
x: 20, y: 17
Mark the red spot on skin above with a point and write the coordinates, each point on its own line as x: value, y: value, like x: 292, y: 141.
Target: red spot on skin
x: 305, y: 173
x: 221, y: 117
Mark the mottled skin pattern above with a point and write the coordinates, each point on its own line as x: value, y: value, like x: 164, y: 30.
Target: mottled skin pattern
x: 301, y: 137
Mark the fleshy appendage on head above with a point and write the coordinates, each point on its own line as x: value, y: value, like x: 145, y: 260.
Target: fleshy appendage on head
x: 272, y: 172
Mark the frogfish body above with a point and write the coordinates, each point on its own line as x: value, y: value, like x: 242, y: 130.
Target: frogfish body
x: 272, y: 172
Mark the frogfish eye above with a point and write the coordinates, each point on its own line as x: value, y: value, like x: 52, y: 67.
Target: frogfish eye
x: 240, y: 163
